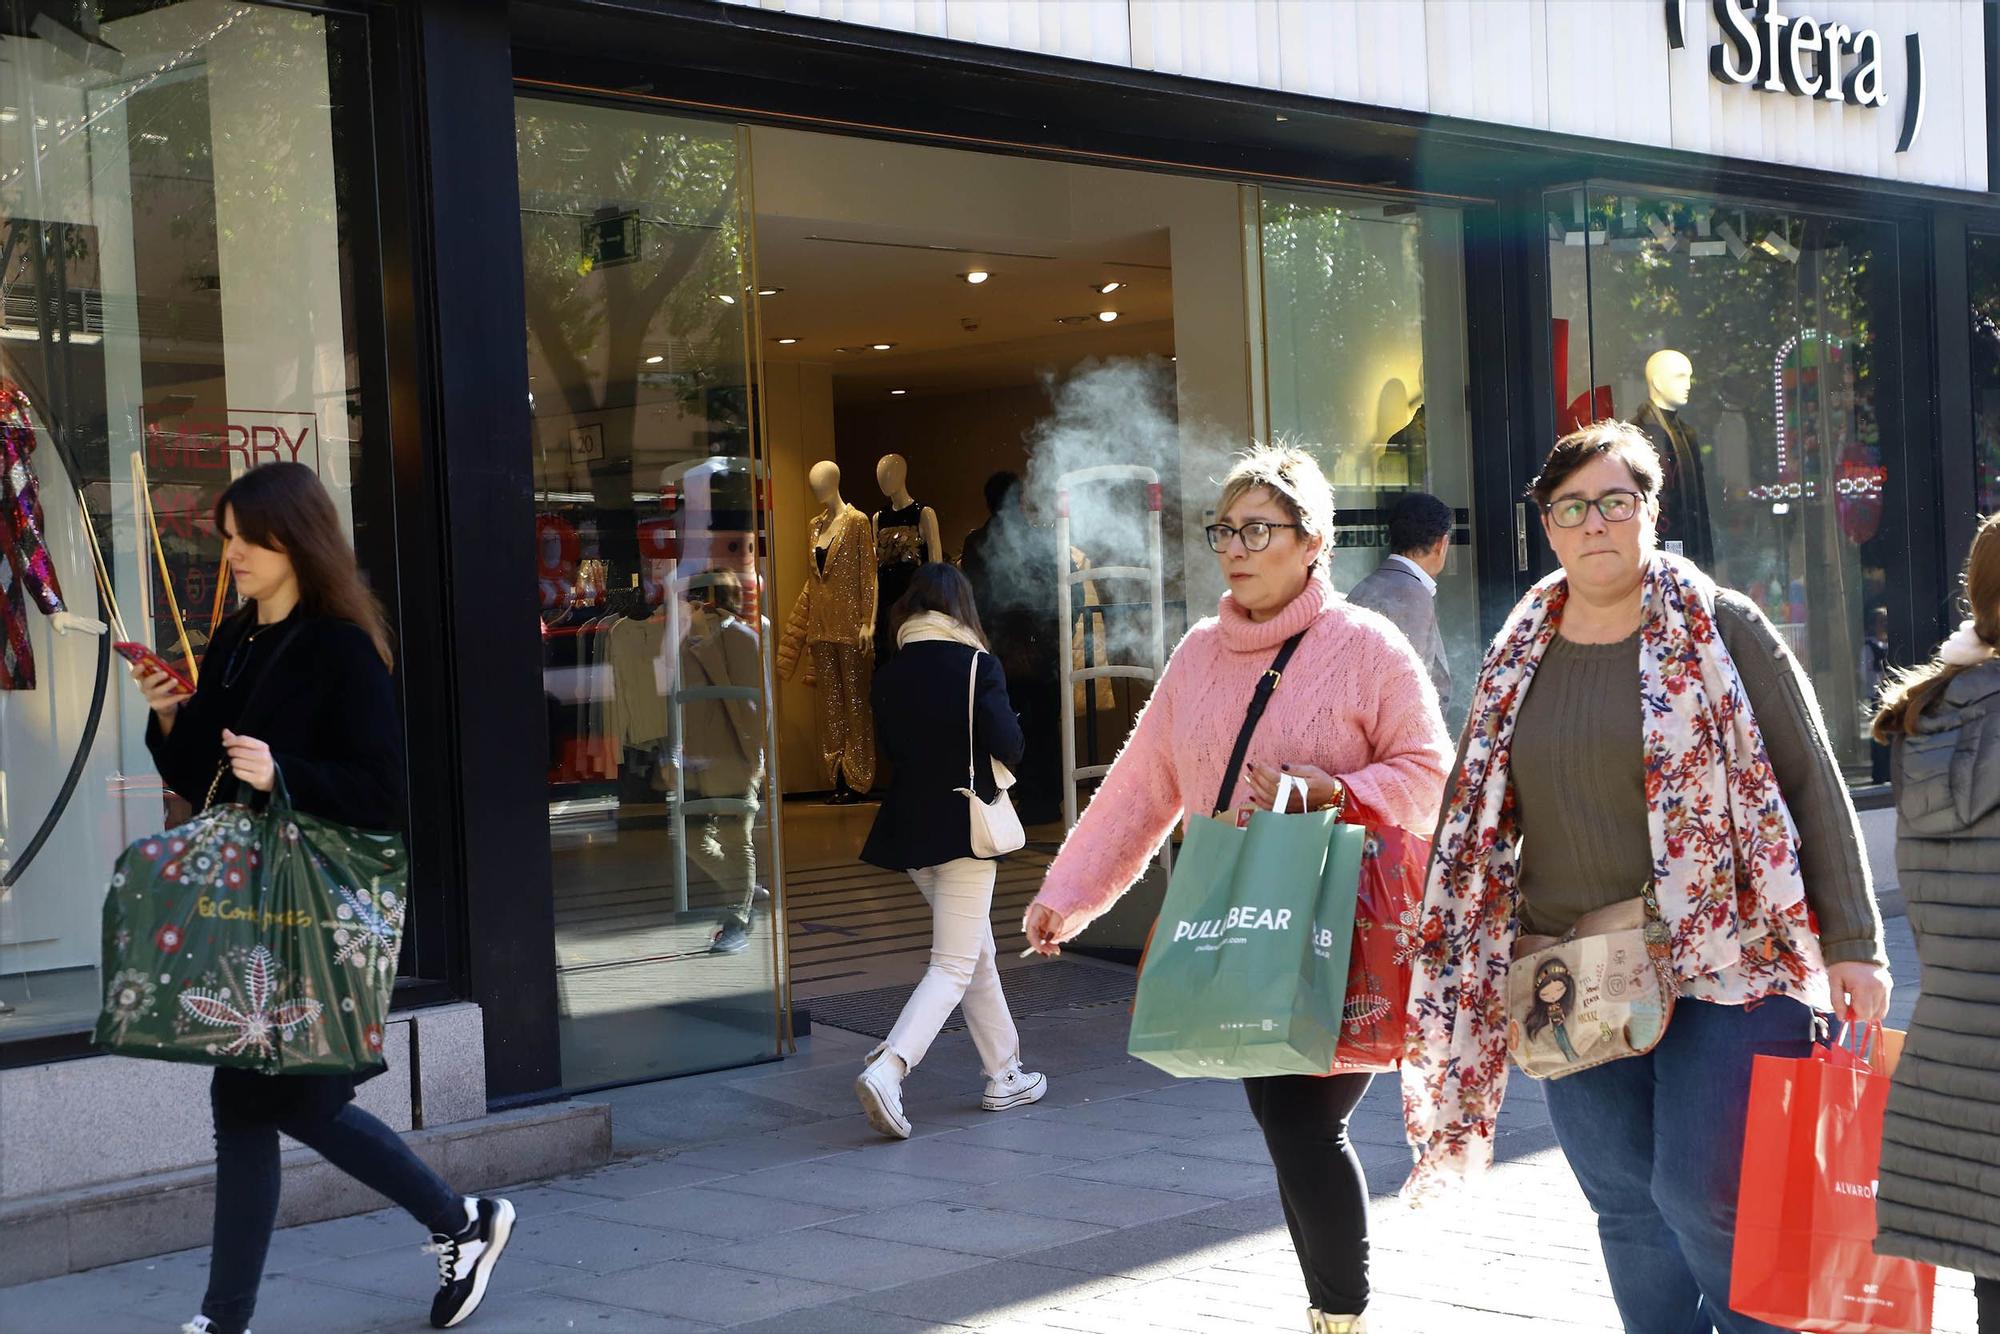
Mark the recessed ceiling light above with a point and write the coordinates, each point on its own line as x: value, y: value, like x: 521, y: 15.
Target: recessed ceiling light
x: 786, y: 342
x: 881, y: 347
x: 976, y: 276
x: 899, y: 391
x: 1107, y: 315
x: 655, y: 359
x: 769, y: 291
x: 1282, y: 118
x: 1105, y: 289
x: 726, y: 299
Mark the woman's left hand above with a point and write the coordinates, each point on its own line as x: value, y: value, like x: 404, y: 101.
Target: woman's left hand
x: 1261, y: 781
x: 250, y: 760
x: 1860, y: 991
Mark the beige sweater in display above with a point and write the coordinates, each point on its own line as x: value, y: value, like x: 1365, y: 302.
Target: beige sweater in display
x: 1579, y: 778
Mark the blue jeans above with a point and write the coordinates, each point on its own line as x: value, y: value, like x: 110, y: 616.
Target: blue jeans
x: 1656, y: 1142
x: 250, y: 1109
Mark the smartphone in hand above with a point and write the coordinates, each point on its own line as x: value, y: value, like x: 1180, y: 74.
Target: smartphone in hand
x: 141, y: 656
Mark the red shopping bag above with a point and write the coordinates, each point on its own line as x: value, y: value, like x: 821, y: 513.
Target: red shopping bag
x: 1375, y: 1022
x: 1805, y: 1211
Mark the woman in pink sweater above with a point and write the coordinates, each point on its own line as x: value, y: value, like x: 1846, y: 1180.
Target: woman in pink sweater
x: 1354, y: 715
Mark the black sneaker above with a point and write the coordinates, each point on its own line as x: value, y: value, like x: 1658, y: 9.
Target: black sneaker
x: 465, y: 1262
x: 733, y: 938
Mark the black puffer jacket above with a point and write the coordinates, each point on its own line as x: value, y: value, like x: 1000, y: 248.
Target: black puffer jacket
x: 1939, y: 1193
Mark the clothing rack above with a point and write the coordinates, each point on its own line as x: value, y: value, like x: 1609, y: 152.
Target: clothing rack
x: 1152, y: 575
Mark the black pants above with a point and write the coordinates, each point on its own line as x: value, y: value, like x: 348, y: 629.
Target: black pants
x: 1304, y: 1120
x: 1986, y: 1291
x: 317, y: 1111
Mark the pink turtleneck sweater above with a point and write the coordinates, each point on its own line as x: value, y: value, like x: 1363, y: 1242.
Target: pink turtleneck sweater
x: 1355, y: 700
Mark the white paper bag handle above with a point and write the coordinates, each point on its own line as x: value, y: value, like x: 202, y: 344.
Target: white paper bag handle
x: 1286, y: 784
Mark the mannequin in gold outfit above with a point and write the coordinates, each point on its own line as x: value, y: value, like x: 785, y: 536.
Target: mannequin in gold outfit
x: 834, y: 622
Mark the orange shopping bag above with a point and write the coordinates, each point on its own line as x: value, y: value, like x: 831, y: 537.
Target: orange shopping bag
x: 1805, y: 1211
x: 1375, y: 1020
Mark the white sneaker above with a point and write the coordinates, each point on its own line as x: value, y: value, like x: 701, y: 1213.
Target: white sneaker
x: 200, y: 1325
x: 1014, y: 1087
x: 879, y: 1086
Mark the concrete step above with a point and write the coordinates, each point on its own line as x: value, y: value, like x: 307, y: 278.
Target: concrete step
x: 103, y: 1224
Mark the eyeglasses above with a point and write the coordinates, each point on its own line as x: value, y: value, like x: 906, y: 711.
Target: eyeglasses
x: 1256, y: 535
x: 1615, y: 506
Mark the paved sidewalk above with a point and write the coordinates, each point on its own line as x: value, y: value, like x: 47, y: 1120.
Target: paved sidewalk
x: 759, y: 1200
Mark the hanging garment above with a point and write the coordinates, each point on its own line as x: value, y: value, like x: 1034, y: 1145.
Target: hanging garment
x: 638, y: 708
x: 899, y: 551
x: 27, y: 567
x: 825, y: 631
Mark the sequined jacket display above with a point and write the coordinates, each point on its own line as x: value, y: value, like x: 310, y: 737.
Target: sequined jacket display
x: 835, y: 603
x: 27, y: 568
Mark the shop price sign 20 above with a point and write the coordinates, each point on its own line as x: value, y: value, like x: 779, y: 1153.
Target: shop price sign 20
x: 1765, y: 49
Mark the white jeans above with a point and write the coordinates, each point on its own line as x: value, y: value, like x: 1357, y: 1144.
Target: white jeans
x: 963, y: 969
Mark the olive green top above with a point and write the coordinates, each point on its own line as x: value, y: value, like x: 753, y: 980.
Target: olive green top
x: 1579, y: 780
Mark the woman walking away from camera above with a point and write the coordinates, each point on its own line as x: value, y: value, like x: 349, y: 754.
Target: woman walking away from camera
x: 297, y: 685
x: 925, y: 828
x: 1939, y: 1196
x: 1353, y: 714
x: 1635, y: 725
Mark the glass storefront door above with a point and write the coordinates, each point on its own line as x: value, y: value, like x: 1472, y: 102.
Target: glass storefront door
x: 1746, y: 341
x: 650, y: 526
x: 1365, y: 363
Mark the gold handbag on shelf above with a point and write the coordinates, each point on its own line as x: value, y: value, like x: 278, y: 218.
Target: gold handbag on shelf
x: 1601, y: 993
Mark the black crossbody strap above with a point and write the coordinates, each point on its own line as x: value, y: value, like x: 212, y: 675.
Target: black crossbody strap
x: 1251, y: 716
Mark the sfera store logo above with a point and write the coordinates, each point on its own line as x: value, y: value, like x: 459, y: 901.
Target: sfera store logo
x: 1765, y: 49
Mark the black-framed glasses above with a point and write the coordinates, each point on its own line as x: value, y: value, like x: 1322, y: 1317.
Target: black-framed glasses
x: 1615, y: 506
x: 1256, y: 534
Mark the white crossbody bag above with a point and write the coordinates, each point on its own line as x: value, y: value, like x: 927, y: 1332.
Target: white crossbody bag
x: 996, y: 829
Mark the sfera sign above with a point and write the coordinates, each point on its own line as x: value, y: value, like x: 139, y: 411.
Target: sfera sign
x: 1768, y: 50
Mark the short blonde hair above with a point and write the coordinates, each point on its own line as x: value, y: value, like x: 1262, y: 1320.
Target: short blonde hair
x: 1293, y: 477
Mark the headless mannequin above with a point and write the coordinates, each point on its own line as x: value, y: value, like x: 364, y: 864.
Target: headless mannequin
x: 1683, y: 497
x: 832, y: 625
x: 906, y: 535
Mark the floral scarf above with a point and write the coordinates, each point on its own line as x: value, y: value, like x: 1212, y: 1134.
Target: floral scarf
x: 1725, y: 861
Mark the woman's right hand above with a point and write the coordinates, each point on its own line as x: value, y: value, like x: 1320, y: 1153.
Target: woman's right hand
x: 163, y: 696
x: 1044, y: 928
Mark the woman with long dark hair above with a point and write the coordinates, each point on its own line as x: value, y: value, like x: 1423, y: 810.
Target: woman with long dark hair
x: 1939, y: 1193
x: 925, y: 828
x: 297, y: 684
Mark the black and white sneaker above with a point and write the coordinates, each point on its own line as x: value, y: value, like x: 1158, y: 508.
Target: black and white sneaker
x: 465, y: 1262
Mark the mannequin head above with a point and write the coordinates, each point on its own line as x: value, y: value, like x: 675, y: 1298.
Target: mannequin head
x: 1669, y: 379
x: 824, y: 479
x: 892, y: 474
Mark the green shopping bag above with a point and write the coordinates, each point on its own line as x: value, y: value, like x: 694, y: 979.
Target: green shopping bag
x: 265, y: 940
x: 1247, y: 970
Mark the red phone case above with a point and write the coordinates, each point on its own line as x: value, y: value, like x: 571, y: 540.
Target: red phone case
x: 139, y: 654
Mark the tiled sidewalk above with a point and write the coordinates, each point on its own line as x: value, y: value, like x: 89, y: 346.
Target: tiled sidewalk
x: 758, y: 1200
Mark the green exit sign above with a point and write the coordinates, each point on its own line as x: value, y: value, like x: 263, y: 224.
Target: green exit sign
x: 610, y: 239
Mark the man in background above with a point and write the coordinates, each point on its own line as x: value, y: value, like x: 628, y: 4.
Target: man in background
x: 1404, y: 586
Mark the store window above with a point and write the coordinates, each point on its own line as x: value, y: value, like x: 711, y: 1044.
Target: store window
x: 650, y: 511
x: 1750, y: 344
x: 176, y: 305
x: 1364, y: 308
x: 1983, y: 280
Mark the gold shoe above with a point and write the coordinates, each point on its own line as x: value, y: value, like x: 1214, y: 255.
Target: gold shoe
x: 1322, y: 1323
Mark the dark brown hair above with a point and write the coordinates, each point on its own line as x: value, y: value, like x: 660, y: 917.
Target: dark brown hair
x: 284, y: 507
x: 941, y: 588
x: 1606, y: 439
x: 1906, y: 694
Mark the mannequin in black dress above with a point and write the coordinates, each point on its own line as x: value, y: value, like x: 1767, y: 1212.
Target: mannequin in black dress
x: 906, y: 536
x: 1683, y: 495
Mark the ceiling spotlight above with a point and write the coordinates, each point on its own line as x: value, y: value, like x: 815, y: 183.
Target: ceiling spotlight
x: 769, y: 291
x: 786, y: 342
x: 726, y: 299
x: 1105, y: 289
x: 899, y: 391
x: 1282, y: 118
x: 1776, y: 244
x: 655, y: 359
x: 1107, y: 315
x: 1733, y: 239
x: 881, y: 347
x: 975, y: 276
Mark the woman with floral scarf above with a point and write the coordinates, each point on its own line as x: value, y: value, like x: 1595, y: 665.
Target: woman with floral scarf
x: 1633, y: 723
